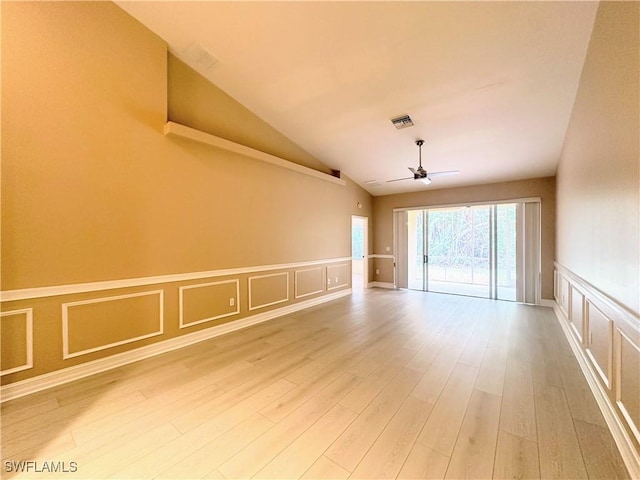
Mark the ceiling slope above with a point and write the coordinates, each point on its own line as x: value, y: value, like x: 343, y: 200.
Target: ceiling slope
x: 489, y: 85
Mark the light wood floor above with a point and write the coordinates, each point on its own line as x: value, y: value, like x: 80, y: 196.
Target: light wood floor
x: 382, y: 384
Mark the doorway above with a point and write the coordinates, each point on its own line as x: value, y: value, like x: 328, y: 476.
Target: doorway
x: 473, y: 250
x: 359, y: 253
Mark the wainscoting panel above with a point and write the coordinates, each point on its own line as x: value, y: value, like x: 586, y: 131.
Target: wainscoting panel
x: 16, y: 340
x: 205, y: 302
x: 97, y: 324
x: 267, y: 290
x: 338, y: 275
x: 600, y: 342
x: 605, y: 337
x: 628, y: 380
x: 576, y: 314
x: 80, y: 326
x: 563, y: 293
x: 308, y: 282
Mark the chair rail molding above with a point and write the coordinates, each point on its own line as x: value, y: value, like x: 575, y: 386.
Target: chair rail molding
x: 622, y: 324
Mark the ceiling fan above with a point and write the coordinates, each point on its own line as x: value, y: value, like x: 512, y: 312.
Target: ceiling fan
x: 420, y: 173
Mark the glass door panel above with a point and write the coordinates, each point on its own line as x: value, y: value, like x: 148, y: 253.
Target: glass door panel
x: 458, y: 250
x: 468, y: 250
x: 506, y: 251
x: 416, y: 250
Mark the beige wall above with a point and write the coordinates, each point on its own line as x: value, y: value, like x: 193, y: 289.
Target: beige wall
x: 598, y: 236
x: 537, y: 187
x: 93, y: 191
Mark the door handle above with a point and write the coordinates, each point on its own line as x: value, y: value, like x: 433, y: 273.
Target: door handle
x: 425, y: 259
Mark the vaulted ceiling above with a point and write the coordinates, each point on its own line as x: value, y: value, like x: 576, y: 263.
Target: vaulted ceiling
x: 489, y: 85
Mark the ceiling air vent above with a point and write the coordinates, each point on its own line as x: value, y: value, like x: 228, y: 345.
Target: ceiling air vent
x: 372, y: 183
x: 403, y: 121
x: 200, y: 57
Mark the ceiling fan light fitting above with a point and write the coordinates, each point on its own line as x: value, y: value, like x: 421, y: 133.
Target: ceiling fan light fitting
x: 426, y: 180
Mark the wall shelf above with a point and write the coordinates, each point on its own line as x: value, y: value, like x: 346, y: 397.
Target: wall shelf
x: 178, y: 130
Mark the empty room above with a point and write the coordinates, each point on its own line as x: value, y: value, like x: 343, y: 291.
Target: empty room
x: 320, y: 239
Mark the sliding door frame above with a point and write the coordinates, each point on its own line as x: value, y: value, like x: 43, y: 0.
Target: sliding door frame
x: 401, y: 255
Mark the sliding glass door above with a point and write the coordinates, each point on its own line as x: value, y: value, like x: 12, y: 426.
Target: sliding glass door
x: 416, y: 250
x: 466, y: 250
x: 506, y: 248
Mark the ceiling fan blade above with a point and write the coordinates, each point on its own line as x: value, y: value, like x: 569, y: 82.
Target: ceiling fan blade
x: 444, y: 174
x: 413, y: 170
x: 399, y: 179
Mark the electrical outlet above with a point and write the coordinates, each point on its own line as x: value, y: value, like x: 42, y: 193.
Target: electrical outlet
x: 336, y: 279
x: 232, y: 301
x: 377, y: 271
x: 328, y: 281
x: 388, y: 249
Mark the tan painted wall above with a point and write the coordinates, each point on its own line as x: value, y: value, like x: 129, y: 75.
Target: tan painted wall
x: 538, y: 187
x: 598, y: 233
x: 93, y: 191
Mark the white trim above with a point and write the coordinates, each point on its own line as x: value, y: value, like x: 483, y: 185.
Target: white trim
x: 172, y: 128
x: 295, y: 282
x: 65, y: 323
x: 365, y: 248
x: 470, y: 204
x: 380, y: 255
x: 328, y: 277
x: 586, y: 315
x: 41, y: 292
x: 69, y: 374
x: 28, y: 339
x: 382, y: 285
x: 619, y: 335
x: 251, y: 306
x: 607, y: 305
x: 629, y: 454
x: 201, y: 285
x: 547, y: 303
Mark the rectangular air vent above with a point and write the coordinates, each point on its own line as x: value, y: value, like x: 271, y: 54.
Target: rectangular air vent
x: 403, y: 121
x: 372, y: 183
x: 199, y: 57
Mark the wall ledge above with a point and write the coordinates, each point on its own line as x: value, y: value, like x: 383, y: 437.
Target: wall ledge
x: 178, y: 130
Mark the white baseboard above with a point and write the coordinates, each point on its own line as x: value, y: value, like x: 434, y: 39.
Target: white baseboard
x: 625, y: 445
x: 381, y: 285
x: 52, y: 379
x: 547, y: 303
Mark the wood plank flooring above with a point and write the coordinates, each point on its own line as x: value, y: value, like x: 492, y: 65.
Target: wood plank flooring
x: 382, y: 384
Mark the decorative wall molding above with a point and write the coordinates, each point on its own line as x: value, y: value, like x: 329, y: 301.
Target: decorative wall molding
x: 345, y: 282
x: 59, y: 377
x: 629, y: 454
x: 66, y: 354
x: 296, y: 292
x: 380, y: 255
x: 172, y: 128
x: 620, y: 337
x: 610, y: 307
x: 613, y: 325
x: 28, y: 313
x: 181, y: 301
x: 268, y: 304
x: 41, y: 292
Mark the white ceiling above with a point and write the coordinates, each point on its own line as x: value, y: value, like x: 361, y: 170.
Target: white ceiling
x: 489, y: 85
